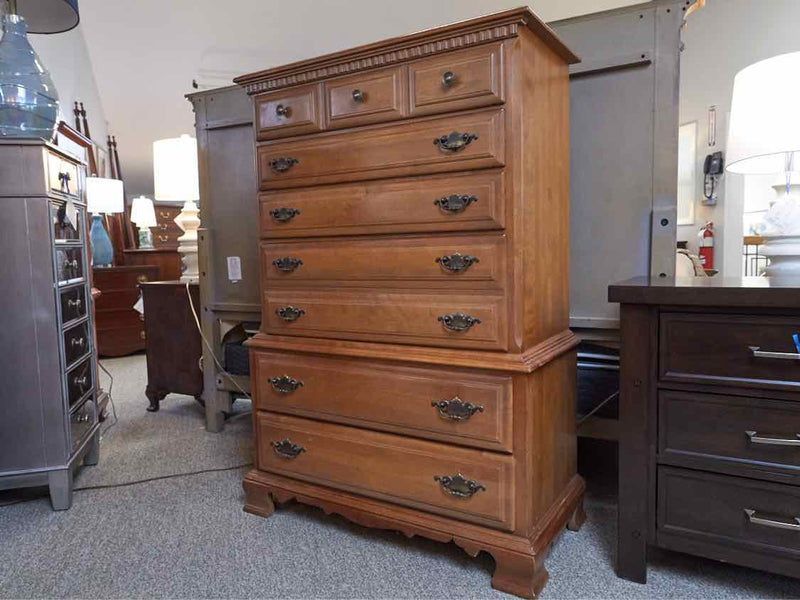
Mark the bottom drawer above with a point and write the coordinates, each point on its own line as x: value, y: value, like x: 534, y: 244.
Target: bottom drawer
x: 81, y: 422
x: 406, y: 471
x: 734, y: 514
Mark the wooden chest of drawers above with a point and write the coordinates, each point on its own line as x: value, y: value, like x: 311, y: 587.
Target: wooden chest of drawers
x: 710, y: 417
x: 414, y: 369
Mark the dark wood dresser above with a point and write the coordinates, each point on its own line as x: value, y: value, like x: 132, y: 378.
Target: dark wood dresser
x: 710, y: 421
x: 166, y: 232
x: 174, y: 346
x: 415, y: 370
x: 120, y: 330
x: 167, y: 260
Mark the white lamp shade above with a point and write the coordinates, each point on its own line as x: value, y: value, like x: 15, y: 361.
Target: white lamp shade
x: 765, y: 116
x: 104, y: 195
x: 143, y: 213
x: 175, y: 169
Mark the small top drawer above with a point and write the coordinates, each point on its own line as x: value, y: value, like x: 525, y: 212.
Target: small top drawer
x: 366, y: 98
x: 733, y: 350
x: 286, y: 113
x: 63, y: 175
x: 458, y: 80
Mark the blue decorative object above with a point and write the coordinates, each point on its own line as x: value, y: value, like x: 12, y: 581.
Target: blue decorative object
x: 102, y: 251
x: 28, y: 98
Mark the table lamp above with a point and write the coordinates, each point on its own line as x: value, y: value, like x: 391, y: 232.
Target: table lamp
x: 28, y: 98
x: 764, y: 138
x: 176, y: 179
x: 144, y: 216
x: 103, y: 196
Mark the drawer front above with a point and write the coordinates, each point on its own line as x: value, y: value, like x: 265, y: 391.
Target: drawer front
x: 79, y: 381
x: 721, y: 349
x: 81, y: 423
x: 389, y: 467
x: 366, y: 98
x: 383, y: 317
x: 165, y: 214
x: 167, y: 239
x: 63, y: 176
x: 457, y: 202
x: 729, y: 511
x: 440, y: 404
x: 69, y: 265
x: 64, y: 228
x: 73, y: 304
x: 386, y: 151
x: 729, y: 430
x: 441, y: 262
x: 128, y: 279
x: 286, y: 113
x: 457, y: 80
x: 77, y: 342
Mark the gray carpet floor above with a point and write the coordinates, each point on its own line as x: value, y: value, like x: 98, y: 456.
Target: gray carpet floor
x: 187, y: 536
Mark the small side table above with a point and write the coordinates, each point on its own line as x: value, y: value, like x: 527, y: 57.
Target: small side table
x: 172, y: 341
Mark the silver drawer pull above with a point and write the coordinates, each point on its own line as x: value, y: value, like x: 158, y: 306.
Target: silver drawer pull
x: 81, y: 381
x: 759, y: 353
x: 772, y: 520
x: 74, y: 303
x: 77, y: 342
x: 788, y: 440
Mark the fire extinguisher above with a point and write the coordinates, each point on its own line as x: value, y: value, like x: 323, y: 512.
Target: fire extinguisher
x: 706, y: 250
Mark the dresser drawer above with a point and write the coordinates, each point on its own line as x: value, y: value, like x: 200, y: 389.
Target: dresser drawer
x: 436, y: 320
x: 732, y: 513
x: 390, y: 467
x: 63, y: 175
x: 289, y: 112
x: 457, y: 80
x: 411, y: 148
x: 366, y: 98
x: 76, y: 342
x: 453, y: 202
x: 443, y: 262
x: 449, y: 405
x: 729, y: 432
x: 65, y: 229
x: 69, y: 264
x: 73, y: 304
x: 750, y: 351
x: 79, y: 381
x: 81, y: 422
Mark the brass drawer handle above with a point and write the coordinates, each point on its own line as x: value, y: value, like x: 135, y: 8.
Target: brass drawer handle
x: 287, y: 264
x: 283, y: 214
x: 290, y: 313
x: 457, y: 263
x: 74, y: 303
x: 759, y: 353
x: 283, y: 111
x: 163, y: 238
x: 448, y: 79
x: 286, y: 449
x: 458, y: 321
x: 455, y: 141
x: 142, y: 335
x: 285, y: 384
x: 772, y: 520
x: 141, y: 278
x: 455, y: 203
x: 456, y: 409
x: 283, y: 164
x: 788, y: 440
x: 458, y: 485
x: 77, y: 342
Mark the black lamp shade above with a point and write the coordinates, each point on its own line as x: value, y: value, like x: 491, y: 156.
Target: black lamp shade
x: 49, y: 16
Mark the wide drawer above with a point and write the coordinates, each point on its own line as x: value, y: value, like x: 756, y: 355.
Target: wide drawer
x: 733, y: 514
x: 453, y: 202
x: 364, y: 98
x: 289, y: 112
x: 435, y: 145
x: 406, y: 471
x: 734, y: 350
x: 457, y: 80
x: 466, y: 321
x: 441, y: 262
x: 449, y: 405
x: 729, y: 432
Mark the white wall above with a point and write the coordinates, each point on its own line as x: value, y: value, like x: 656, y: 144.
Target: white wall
x: 147, y: 52
x: 720, y: 40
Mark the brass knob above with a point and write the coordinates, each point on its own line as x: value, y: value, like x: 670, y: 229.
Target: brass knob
x: 358, y: 96
x: 283, y: 111
x: 448, y: 78
x: 142, y: 335
x: 141, y: 278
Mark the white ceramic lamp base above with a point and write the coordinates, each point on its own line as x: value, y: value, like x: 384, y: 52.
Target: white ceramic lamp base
x: 783, y: 252
x: 189, y: 222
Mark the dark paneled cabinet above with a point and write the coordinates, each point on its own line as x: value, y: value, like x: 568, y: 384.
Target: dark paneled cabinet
x: 49, y: 394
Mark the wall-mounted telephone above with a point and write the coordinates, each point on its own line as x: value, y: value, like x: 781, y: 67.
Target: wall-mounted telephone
x: 713, y: 167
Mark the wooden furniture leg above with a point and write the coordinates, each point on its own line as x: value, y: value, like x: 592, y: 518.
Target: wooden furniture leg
x: 519, y: 574
x: 155, y: 397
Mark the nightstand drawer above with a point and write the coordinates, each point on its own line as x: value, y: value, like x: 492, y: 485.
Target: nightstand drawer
x: 732, y: 350
x: 729, y: 432
x: 410, y: 472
